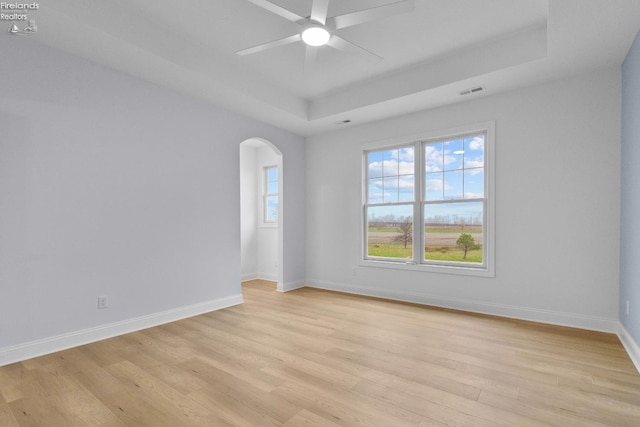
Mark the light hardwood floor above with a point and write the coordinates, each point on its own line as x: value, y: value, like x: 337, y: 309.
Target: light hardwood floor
x: 316, y: 358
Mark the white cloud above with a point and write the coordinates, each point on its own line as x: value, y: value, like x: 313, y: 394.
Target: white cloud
x: 406, y: 154
x: 390, y: 168
x: 470, y: 195
x: 406, y: 168
x: 471, y: 164
x: 449, y: 158
x: 433, y: 158
x: 375, y: 169
x: 477, y: 143
x: 436, y: 185
x: 406, y: 182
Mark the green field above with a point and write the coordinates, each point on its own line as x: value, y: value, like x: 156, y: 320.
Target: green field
x: 452, y: 254
x: 390, y: 251
x: 440, y: 243
x: 431, y: 253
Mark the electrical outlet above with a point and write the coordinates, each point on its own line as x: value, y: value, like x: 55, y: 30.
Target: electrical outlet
x: 103, y: 302
x: 354, y: 271
x: 627, y: 307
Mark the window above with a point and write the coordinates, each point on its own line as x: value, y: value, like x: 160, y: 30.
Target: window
x: 428, y: 204
x: 270, y: 195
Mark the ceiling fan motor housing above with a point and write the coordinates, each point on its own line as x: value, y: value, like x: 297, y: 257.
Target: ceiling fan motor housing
x: 315, y: 34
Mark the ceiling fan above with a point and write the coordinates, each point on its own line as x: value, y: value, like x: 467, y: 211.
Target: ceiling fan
x: 319, y: 30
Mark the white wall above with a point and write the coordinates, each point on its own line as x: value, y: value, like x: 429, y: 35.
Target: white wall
x: 557, y: 206
x: 113, y: 186
x: 630, y: 212
x: 259, y: 241
x: 248, y: 208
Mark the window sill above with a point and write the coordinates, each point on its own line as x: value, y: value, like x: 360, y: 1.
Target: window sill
x: 269, y: 225
x: 429, y: 268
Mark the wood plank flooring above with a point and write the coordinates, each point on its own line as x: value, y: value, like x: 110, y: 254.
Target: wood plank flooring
x: 317, y: 358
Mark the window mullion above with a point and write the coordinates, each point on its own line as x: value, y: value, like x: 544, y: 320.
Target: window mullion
x: 418, y: 245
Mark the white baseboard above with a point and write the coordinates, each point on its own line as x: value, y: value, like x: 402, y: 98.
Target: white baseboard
x: 272, y: 277
x: 515, y: 312
x: 291, y: 286
x: 632, y: 347
x: 249, y: 276
x: 259, y: 276
x: 41, y: 347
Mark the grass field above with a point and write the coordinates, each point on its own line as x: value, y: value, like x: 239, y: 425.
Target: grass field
x: 440, y: 243
x: 432, y: 253
x: 390, y: 251
x: 452, y: 254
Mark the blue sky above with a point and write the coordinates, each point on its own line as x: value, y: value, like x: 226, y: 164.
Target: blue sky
x: 453, y: 171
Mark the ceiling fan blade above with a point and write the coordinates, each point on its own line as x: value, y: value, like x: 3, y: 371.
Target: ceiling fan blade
x: 319, y: 10
x: 310, y: 57
x: 280, y: 42
x: 361, y: 16
x: 345, y: 46
x: 280, y: 11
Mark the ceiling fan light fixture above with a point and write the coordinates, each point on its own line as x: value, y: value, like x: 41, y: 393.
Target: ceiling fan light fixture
x: 315, y: 35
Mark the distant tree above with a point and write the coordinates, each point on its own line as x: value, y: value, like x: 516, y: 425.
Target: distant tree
x: 389, y: 218
x: 466, y: 242
x: 406, y: 230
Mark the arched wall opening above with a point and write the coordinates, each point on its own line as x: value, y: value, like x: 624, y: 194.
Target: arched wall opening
x: 261, y: 241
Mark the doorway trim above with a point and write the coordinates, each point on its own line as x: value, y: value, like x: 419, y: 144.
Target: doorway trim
x: 256, y: 141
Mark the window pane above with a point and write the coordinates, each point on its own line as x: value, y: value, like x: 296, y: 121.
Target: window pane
x: 453, y: 154
x: 407, y: 161
x: 406, y: 188
x: 376, y: 188
x: 391, y: 175
x: 453, y: 185
x: 271, y: 214
x: 271, y: 194
x: 272, y: 174
x: 474, y: 183
x: 474, y: 152
x: 391, y: 190
x: 454, y: 232
x: 433, y: 186
x: 390, y: 163
x: 374, y: 164
x: 433, y: 161
x: 389, y: 231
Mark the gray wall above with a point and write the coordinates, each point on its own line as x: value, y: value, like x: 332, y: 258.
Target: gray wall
x: 248, y: 211
x: 113, y: 186
x: 630, y: 211
x: 557, y: 205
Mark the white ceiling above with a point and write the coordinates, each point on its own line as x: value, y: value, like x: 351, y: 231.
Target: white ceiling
x: 430, y: 54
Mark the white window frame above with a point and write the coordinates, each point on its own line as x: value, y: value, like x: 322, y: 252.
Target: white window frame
x: 487, y: 269
x: 266, y: 195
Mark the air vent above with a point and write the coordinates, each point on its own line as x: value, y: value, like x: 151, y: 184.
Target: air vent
x: 472, y: 90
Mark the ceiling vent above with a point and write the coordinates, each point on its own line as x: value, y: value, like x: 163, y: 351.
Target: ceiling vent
x: 343, y: 122
x: 472, y: 90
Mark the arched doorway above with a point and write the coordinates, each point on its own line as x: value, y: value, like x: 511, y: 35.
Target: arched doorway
x: 261, y: 206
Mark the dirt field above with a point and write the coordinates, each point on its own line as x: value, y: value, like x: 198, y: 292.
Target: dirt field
x: 440, y: 238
